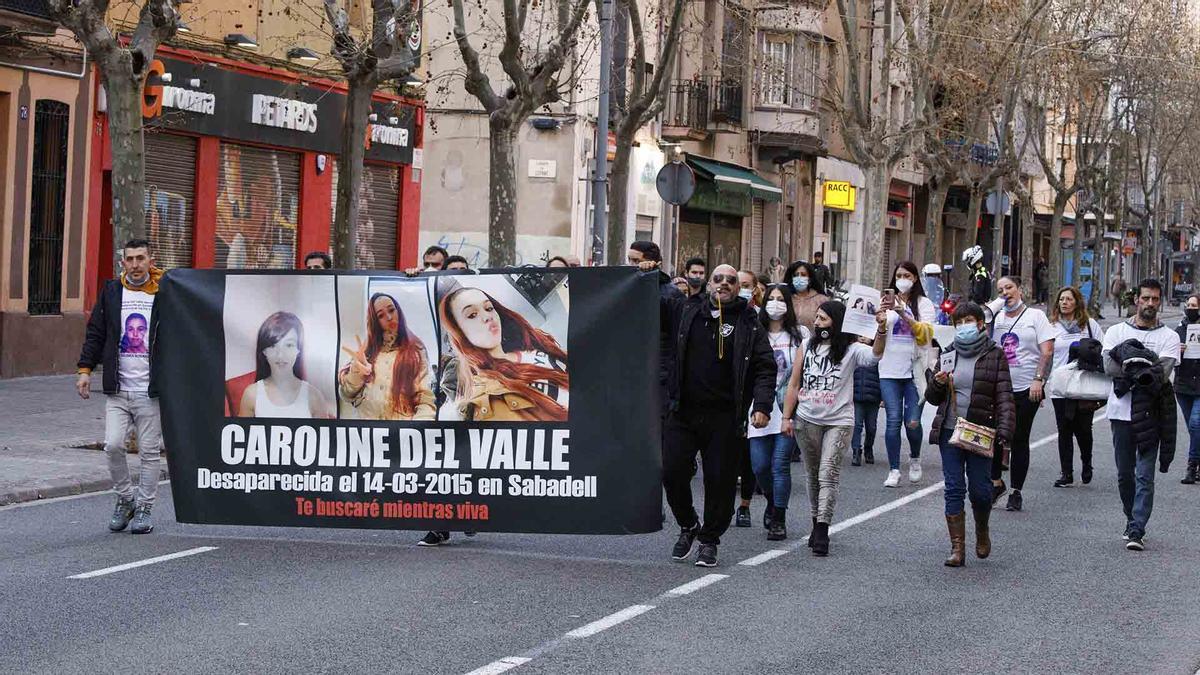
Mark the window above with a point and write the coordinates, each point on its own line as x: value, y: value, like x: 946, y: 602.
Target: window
x: 777, y: 63
x: 48, y: 202
x: 808, y: 62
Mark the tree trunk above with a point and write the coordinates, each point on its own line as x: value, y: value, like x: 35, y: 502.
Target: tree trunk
x: 974, y: 207
x: 933, y: 222
x: 874, y: 216
x: 502, y: 201
x: 1077, y: 248
x: 618, y: 199
x: 1028, y: 266
x: 128, y: 152
x: 1056, y: 262
x: 350, y: 171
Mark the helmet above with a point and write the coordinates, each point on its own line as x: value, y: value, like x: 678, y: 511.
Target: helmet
x: 972, y: 255
x: 931, y: 269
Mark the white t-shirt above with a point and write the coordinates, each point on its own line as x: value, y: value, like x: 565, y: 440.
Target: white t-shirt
x: 826, y: 395
x: 1162, y: 341
x: 1063, y: 340
x: 784, y: 349
x: 896, y: 362
x: 1021, y: 338
x: 133, y: 351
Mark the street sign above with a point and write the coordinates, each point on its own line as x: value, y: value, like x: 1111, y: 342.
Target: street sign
x: 676, y: 183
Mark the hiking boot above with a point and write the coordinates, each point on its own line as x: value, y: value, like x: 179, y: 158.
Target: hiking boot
x: 683, y: 545
x: 142, y: 524
x: 707, y: 556
x: 743, y: 517
x: 122, y: 514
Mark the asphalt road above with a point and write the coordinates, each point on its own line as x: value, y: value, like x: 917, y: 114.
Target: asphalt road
x: 1059, y: 594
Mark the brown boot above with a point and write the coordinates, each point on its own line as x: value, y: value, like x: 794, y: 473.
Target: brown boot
x: 983, y: 537
x: 958, y: 535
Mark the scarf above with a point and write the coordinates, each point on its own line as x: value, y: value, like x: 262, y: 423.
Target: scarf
x: 972, y: 348
x: 1071, y: 327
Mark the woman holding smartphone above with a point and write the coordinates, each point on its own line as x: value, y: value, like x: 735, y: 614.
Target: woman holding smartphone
x: 910, y: 328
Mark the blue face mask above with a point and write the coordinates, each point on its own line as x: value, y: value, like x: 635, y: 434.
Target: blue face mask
x: 967, y: 332
x: 745, y: 293
x: 800, y: 283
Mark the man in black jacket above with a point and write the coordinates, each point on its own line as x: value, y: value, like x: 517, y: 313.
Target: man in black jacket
x: 723, y: 370
x: 648, y: 252
x: 118, y: 338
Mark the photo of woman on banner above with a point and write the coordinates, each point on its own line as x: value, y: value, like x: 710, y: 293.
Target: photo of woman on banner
x: 511, y: 364
x: 387, y: 376
x: 280, y: 346
x: 279, y: 389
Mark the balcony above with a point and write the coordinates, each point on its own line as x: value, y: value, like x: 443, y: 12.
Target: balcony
x: 701, y: 106
x: 26, y: 15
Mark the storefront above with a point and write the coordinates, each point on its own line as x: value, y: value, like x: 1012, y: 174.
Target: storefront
x: 711, y: 223
x: 241, y: 166
x: 840, y: 198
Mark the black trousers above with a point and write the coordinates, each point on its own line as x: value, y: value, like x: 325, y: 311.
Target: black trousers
x: 1018, y: 461
x: 1074, y: 424
x: 746, y: 471
x: 719, y: 440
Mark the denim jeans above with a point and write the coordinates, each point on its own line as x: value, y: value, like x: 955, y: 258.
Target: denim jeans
x: 133, y: 410
x: 1135, y: 477
x: 771, y: 457
x: 903, y: 407
x: 866, y: 417
x: 977, y: 481
x: 1190, y: 407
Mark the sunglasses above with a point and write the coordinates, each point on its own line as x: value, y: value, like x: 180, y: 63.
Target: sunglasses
x: 728, y: 278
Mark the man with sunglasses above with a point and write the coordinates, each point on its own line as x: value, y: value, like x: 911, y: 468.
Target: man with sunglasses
x: 723, y: 366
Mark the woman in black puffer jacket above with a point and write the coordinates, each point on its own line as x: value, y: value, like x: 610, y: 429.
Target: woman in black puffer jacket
x: 867, y: 397
x: 978, y: 388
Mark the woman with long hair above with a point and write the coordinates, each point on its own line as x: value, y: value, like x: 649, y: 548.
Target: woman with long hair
x: 279, y: 388
x: 977, y: 389
x: 910, y: 327
x: 1187, y: 389
x: 507, y: 370
x: 819, y: 408
x: 1070, y: 323
x: 1027, y: 339
x: 808, y: 291
x: 388, y: 376
x: 770, y: 448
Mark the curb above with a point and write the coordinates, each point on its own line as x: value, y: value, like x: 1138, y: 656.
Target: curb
x: 62, y: 487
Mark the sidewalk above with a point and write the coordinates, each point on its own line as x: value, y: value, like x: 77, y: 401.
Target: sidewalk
x: 51, y: 441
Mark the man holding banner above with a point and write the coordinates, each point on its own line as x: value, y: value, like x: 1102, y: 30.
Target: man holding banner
x: 723, y: 367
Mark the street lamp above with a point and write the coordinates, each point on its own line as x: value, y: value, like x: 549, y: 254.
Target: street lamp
x: 303, y: 54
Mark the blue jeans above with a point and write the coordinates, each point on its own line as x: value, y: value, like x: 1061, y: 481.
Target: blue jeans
x: 977, y: 469
x: 1135, y: 477
x: 771, y: 459
x: 1190, y: 407
x: 866, y: 416
x: 902, y: 403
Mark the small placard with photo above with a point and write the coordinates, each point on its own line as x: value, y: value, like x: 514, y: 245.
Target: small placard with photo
x: 948, y: 361
x: 1192, y: 346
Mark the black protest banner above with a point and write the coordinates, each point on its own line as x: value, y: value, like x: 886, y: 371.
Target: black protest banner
x: 520, y: 400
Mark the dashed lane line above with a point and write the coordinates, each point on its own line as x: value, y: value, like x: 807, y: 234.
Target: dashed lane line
x: 142, y: 563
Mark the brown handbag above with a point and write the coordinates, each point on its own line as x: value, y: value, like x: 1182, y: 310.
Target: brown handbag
x: 976, y: 439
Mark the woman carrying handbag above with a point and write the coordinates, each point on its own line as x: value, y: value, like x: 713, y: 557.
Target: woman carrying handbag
x: 976, y: 417
x: 1070, y: 322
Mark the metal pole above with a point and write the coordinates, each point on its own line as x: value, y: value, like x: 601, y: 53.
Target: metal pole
x: 600, y: 169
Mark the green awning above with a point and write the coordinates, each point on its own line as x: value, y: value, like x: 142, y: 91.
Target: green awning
x: 735, y: 178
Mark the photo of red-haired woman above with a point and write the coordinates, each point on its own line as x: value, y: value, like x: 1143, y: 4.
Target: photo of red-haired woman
x: 387, y: 376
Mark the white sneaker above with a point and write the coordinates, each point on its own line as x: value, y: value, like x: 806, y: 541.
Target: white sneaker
x: 914, y: 470
x: 893, y: 479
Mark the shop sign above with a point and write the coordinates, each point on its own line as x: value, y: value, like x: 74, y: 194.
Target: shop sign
x: 839, y: 195
x: 708, y: 198
x: 282, y: 113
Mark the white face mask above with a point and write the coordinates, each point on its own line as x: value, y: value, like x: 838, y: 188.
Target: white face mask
x: 776, y: 309
x: 904, y: 285
x: 746, y: 293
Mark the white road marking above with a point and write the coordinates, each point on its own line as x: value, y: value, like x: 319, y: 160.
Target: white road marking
x: 504, y: 664
x: 588, y: 630
x: 693, y: 586
x: 143, y: 563
x: 764, y: 557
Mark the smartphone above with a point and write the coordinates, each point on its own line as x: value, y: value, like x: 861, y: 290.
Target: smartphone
x: 889, y: 298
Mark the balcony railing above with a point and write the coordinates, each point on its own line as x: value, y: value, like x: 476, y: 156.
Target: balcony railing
x: 728, y: 102
x: 34, y: 8
x: 696, y: 104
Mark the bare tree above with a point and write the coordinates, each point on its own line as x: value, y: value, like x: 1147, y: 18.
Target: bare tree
x: 123, y: 67
x: 378, y: 54
x: 641, y: 104
x: 535, y: 82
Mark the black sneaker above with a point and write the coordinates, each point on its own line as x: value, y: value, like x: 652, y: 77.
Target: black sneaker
x: 1065, y: 480
x: 998, y: 491
x: 707, y: 556
x: 1086, y: 476
x: 768, y: 514
x: 869, y: 456
x: 1128, y: 530
x: 122, y: 514
x: 1015, y: 502
x: 856, y: 457
x: 683, y: 545
x: 142, y: 524
x: 743, y: 517
x: 434, y: 539
x: 1135, y: 544
x: 777, y: 531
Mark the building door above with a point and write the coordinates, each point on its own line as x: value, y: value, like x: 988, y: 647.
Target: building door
x: 48, y: 203
x: 378, y: 216
x: 170, y: 197
x: 257, y: 208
